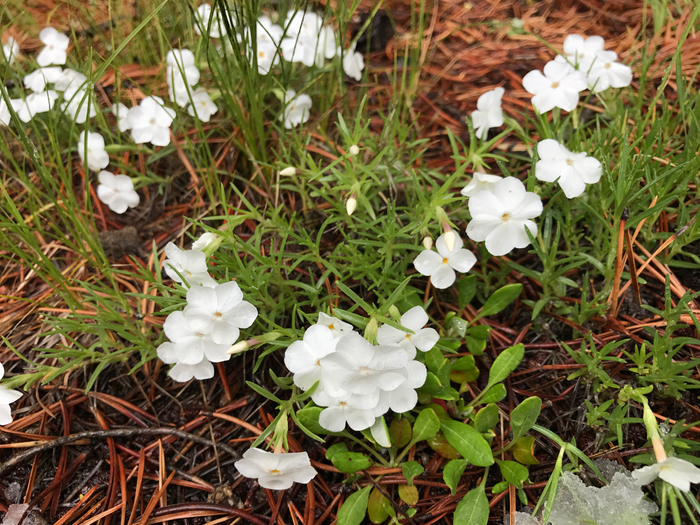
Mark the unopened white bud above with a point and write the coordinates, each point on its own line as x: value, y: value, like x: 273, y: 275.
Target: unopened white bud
x: 354, y: 150
x: 288, y: 172
x: 351, y: 205
x: 240, y: 346
x: 428, y: 242
x: 450, y: 239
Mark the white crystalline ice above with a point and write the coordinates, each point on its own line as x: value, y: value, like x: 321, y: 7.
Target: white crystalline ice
x: 618, y: 503
x: 609, y: 468
x: 523, y: 518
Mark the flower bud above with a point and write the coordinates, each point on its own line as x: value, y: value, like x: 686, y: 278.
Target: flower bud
x: 351, y: 204
x: 240, y: 346
x: 289, y: 172
x: 354, y: 150
x: 428, y: 242
x: 450, y: 239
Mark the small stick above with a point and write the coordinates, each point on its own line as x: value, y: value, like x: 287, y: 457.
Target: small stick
x: 633, y: 268
x: 616, y: 292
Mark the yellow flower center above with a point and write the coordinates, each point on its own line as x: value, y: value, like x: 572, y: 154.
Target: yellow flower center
x: 408, y: 337
x: 505, y: 217
x: 331, y: 326
x: 555, y: 85
x: 607, y: 66
x: 444, y: 260
x: 570, y: 162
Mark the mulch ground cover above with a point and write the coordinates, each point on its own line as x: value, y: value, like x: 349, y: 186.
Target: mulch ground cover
x: 138, y: 448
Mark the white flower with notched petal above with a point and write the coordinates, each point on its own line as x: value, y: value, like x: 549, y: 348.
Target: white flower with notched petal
x: 303, y: 358
x: 182, y: 372
x: 480, y: 182
x: 7, y: 396
x: 191, y: 346
x: 577, y: 48
x: 10, y: 50
x: 500, y: 216
x: 572, y: 170
x: 296, y: 110
x: 404, y: 397
x: 488, y: 112
x: 97, y: 157
x: 70, y: 82
x: 360, y: 368
x: 441, y: 266
x: 423, y: 339
x: 35, y: 103
x: 219, y: 311
x: 150, y: 122
x: 603, y: 71
x: 352, y: 409
x: 202, y: 106
x: 79, y: 106
x: 337, y: 327
x: 117, y: 192
x: 122, y: 113
x: 190, y: 264
x: 559, y: 87
x: 678, y: 472
x: 353, y: 62
x: 39, y: 78
x: 55, y: 47
x: 276, y: 471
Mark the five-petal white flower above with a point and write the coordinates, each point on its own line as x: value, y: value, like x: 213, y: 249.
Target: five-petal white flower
x: 303, y: 358
x: 488, y: 112
x: 296, y: 109
x: 190, y: 264
x: 182, y: 372
x: 422, y: 338
x: 117, y: 192
x: 603, y: 71
x: 38, y: 79
x: 480, y: 182
x: 572, y: 170
x: 7, y: 396
x: 35, y: 103
x: 97, y: 157
x: 276, y: 471
x: 79, y: 106
x: 500, y: 216
x: 559, y: 87
x: 441, y: 266
x: 150, y: 122
x: 337, y: 327
x: 70, y: 82
x: 202, y: 106
x: 353, y: 62
x: 55, y: 47
x: 678, y: 472
x: 578, y: 48
x: 190, y: 344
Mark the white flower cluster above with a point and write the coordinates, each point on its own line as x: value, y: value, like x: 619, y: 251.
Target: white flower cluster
x: 586, y: 64
x: 182, y: 75
x: 359, y: 382
x: 203, y: 332
x: 7, y: 396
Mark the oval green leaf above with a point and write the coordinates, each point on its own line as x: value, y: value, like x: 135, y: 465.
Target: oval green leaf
x: 473, y: 509
x: 349, y: 462
x: 427, y: 425
x: 452, y: 473
x: 355, y: 507
x: 505, y: 363
x: 468, y: 442
x: 524, y: 416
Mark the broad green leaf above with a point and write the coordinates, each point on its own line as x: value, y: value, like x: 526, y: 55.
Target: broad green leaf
x: 410, y: 470
x: 494, y: 394
x: 350, y: 462
x: 375, y: 507
x: 439, y: 410
x: 523, y: 451
x: 440, y: 445
x: 524, y: 416
x: 426, y: 426
x: 463, y: 363
x: 514, y: 473
x: 400, y: 432
x: 452, y: 473
x: 355, y: 507
x: 433, y: 360
x: 474, y: 345
x: 468, y: 442
x: 500, y: 487
x: 499, y: 300
x: 334, y: 449
x: 473, y: 509
x: 408, y: 494
x: 466, y: 290
x: 480, y: 331
x: 486, y: 418
x: 505, y: 363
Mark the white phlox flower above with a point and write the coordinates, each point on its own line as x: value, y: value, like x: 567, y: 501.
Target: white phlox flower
x: 150, y: 122
x: 352, y: 409
x: 266, y: 56
x: 7, y: 397
x: 480, y: 182
x: 578, y: 48
x: 423, y: 339
x: 440, y: 266
x: 678, y: 472
x: 219, y: 311
x: 10, y: 50
x: 353, y: 62
x: 117, y: 192
x: 208, y: 21
x: 603, y: 71
x: 97, y: 157
x: 276, y: 471
x: 34, y: 104
x: 558, y: 87
x: 181, y: 74
x: 204, y: 240
x: 38, y: 79
x: 55, y: 47
x: 191, y: 346
x: 202, y: 106
x: 190, y: 264
x: 182, y: 372
x: 307, y: 40
x: 303, y: 358
x: 122, y: 113
x: 404, y: 397
x: 70, y: 82
x: 4, y: 113
x: 79, y: 106
x: 296, y: 110
x: 337, y: 327
x: 572, y: 170
x: 488, y: 112
x: 500, y: 216
x: 266, y: 33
